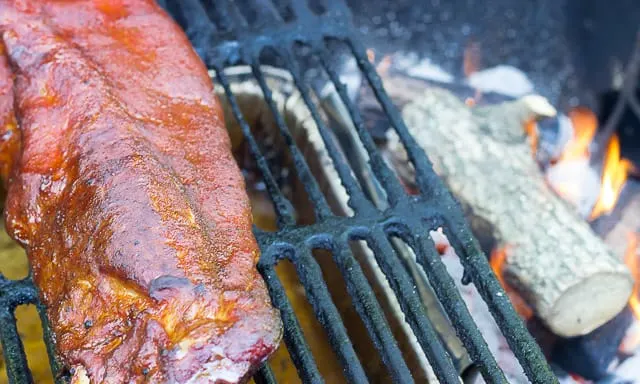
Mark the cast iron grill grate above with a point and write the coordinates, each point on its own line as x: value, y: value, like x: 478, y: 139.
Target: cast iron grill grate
x: 229, y: 40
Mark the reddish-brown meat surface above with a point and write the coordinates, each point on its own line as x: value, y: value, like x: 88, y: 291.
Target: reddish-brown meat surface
x: 126, y: 197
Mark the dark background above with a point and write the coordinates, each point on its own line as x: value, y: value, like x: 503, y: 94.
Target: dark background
x: 567, y: 47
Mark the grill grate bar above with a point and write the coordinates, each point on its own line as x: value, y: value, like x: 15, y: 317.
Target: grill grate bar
x: 387, y: 179
x: 220, y: 22
x: 17, y: 368
x: 327, y: 314
x: 229, y: 11
x: 265, y: 13
x: 427, y: 180
x: 265, y: 375
x: 321, y: 208
x: 198, y: 29
x: 445, y: 288
x: 368, y: 308
x: 297, y: 346
x: 472, y: 259
x: 519, y: 339
x: 282, y: 206
x: 300, y: 9
x: 402, y: 285
x: 357, y: 200
x: 223, y: 37
x: 16, y: 292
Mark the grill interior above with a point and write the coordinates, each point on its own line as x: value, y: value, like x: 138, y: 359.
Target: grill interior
x: 228, y: 33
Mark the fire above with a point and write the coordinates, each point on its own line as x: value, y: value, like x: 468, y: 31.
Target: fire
x: 584, y: 124
x: 577, y: 378
x: 471, y: 59
x: 631, y: 259
x: 383, y: 66
x: 532, y: 131
x: 576, y: 156
x: 614, y: 175
x: 632, y: 338
x: 371, y: 55
x: 497, y: 261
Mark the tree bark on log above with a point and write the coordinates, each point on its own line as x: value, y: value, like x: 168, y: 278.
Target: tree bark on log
x: 554, y: 260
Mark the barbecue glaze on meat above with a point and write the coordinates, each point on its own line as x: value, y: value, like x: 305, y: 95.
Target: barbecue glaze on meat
x: 123, y: 190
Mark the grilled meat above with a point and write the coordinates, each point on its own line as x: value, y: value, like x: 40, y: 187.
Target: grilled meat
x: 123, y: 190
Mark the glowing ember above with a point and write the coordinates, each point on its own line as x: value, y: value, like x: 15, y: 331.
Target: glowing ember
x: 383, y: 67
x: 532, y: 132
x: 631, y: 259
x: 632, y: 338
x: 577, y: 378
x: 584, y: 124
x: 614, y: 175
x: 471, y: 59
x: 497, y: 261
x: 574, y: 162
x: 371, y: 55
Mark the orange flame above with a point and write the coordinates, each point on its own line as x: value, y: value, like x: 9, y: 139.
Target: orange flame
x: 371, y: 55
x: 497, y: 262
x: 384, y: 65
x: 615, y: 170
x: 631, y: 259
x: 632, y: 338
x: 584, y: 124
x: 577, y: 378
x: 471, y: 59
x: 614, y: 175
x: 532, y: 131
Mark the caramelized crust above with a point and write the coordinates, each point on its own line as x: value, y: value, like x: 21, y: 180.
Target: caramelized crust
x: 126, y: 197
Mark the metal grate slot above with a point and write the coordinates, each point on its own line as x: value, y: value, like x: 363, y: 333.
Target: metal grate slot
x: 367, y: 307
x: 357, y: 200
x: 402, y: 286
x: 227, y: 33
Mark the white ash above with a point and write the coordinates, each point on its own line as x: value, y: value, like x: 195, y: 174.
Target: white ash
x: 481, y: 315
x: 351, y: 76
x: 627, y: 372
x: 504, y: 79
x: 576, y: 182
x: 421, y: 68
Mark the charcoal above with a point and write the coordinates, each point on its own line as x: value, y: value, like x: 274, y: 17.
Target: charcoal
x: 590, y: 355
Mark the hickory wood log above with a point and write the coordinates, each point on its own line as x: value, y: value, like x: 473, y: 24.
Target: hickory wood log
x: 554, y: 260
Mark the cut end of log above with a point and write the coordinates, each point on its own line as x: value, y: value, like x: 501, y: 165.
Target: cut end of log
x: 539, y: 105
x: 573, y: 314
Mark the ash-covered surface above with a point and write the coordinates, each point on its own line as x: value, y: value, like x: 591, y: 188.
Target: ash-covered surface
x: 568, y: 48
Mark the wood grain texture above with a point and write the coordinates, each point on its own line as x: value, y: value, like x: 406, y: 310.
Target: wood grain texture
x: 555, y: 261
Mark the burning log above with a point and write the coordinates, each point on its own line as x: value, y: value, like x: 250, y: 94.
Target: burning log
x: 555, y: 262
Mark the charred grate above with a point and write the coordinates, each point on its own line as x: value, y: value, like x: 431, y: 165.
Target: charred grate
x: 229, y: 39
